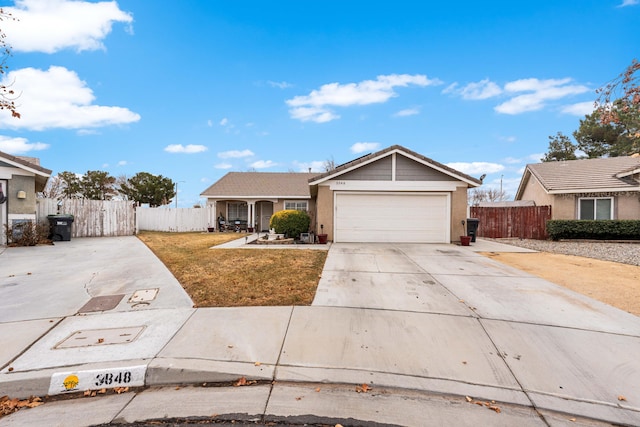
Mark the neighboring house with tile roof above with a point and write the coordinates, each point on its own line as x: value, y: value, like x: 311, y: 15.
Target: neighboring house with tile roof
x: 393, y: 195
x: 603, y: 188
x: 20, y: 179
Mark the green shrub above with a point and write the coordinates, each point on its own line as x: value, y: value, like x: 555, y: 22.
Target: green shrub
x: 290, y: 222
x: 596, y: 230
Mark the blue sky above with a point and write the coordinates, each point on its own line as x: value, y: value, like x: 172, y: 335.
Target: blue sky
x: 195, y: 89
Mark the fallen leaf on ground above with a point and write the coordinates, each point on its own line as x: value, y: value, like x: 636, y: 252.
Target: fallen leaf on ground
x: 242, y: 382
x: 121, y: 390
x: 363, y: 388
x: 8, y: 405
x: 469, y: 399
x: 622, y: 398
x: 318, y: 390
x: 495, y: 408
x: 257, y: 363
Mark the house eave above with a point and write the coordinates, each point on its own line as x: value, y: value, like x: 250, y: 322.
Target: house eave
x: 241, y: 197
x: 595, y: 190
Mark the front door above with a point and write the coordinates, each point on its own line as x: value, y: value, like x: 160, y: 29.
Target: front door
x: 265, y: 211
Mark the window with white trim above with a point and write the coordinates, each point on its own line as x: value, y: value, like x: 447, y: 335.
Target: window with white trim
x: 296, y: 205
x: 595, y: 208
x: 237, y: 211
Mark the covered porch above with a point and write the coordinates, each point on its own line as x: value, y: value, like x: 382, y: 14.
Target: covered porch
x: 241, y: 214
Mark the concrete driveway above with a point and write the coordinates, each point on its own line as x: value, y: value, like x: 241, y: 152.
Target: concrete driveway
x: 477, y: 322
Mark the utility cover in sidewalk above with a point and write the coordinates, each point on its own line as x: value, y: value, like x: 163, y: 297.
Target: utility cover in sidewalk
x: 102, y: 303
x: 143, y: 295
x: 97, y: 337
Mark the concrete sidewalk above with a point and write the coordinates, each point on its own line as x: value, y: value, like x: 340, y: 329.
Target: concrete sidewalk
x: 426, y: 326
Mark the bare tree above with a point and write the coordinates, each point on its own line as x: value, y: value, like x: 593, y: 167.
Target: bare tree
x: 7, y: 94
x: 622, y: 92
x: 479, y: 195
x: 329, y: 164
x: 54, y: 188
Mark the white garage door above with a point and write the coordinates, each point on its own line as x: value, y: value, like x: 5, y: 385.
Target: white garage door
x: 397, y: 217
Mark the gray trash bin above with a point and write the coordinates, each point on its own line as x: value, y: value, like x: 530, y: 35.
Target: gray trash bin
x: 60, y: 227
x: 472, y: 228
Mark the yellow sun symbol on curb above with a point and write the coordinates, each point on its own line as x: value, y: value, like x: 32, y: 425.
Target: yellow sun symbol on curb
x: 71, y: 382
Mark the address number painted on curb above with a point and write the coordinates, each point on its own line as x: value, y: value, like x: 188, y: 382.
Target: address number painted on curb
x: 68, y: 382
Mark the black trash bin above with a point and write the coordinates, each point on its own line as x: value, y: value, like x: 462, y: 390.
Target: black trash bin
x: 60, y: 227
x: 472, y: 228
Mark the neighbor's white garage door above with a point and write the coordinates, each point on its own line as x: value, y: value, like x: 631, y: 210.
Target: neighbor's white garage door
x: 397, y: 217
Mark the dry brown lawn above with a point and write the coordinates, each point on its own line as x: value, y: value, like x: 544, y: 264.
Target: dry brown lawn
x: 613, y: 283
x: 237, y: 277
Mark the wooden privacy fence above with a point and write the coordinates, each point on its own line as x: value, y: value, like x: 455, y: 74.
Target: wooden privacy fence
x: 102, y: 218
x: 174, y: 219
x: 525, y: 222
x: 92, y: 218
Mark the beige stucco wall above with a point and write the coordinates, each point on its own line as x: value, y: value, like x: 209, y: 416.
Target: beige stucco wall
x: 21, y: 206
x: 324, y: 209
x: 458, y: 213
x: 534, y: 191
x: 563, y: 207
x: 628, y: 206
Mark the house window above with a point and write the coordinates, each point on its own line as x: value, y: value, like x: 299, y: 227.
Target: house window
x: 237, y: 211
x: 596, y: 208
x: 300, y: 205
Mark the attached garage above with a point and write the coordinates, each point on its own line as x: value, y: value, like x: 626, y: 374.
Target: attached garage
x: 392, y: 196
x: 392, y: 217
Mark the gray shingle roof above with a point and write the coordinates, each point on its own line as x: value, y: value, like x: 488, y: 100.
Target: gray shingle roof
x: 31, y: 163
x: 261, y: 184
x: 586, y: 174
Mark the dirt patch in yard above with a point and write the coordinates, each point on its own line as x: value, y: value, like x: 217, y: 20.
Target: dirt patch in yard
x: 610, y: 282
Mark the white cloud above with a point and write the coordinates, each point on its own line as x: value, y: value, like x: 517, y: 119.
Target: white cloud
x: 316, y: 106
x: 123, y: 163
x: 263, y: 164
x: 52, y: 25
x: 223, y: 166
x: 18, y: 146
x: 361, y: 147
x: 280, y: 85
x: 315, y: 166
x: 512, y: 160
x: 209, y: 123
x: 476, y: 167
x: 224, y: 122
x: 235, y: 154
x: 57, y: 98
x: 508, y: 138
x: 580, y: 109
x: 407, y: 112
x: 189, y: 149
x: 626, y: 3
x: 483, y: 89
x: 541, y: 91
x: 536, y: 157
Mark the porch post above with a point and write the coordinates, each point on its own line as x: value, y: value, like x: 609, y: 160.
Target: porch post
x: 213, y: 217
x: 252, y: 216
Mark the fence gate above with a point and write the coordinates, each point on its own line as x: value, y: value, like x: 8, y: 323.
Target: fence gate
x: 525, y: 222
x: 92, y: 218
